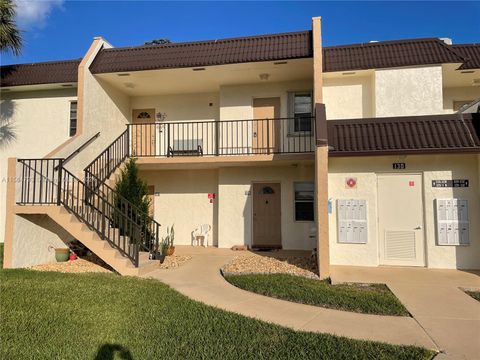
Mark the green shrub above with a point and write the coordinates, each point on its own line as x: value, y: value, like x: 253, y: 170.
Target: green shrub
x: 131, y: 187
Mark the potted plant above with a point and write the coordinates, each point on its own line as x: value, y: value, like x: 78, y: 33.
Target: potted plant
x: 164, y: 249
x: 62, y: 254
x: 159, y: 250
x: 171, y: 238
x: 156, y: 252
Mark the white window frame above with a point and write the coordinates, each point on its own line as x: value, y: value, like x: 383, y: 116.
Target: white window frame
x: 303, y: 201
x: 291, y: 113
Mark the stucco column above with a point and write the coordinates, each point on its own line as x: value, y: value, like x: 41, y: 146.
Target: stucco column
x: 9, y: 213
x: 321, y: 155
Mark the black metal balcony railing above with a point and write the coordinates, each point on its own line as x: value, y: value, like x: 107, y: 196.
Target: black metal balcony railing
x: 226, y: 137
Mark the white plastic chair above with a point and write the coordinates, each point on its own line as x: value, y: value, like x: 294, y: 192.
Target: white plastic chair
x: 202, y: 233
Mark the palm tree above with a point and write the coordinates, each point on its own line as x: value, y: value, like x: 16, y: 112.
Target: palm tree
x: 10, y: 41
x: 10, y: 35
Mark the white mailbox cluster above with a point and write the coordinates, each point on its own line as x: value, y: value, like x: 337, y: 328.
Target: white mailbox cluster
x: 452, y: 221
x: 352, y: 221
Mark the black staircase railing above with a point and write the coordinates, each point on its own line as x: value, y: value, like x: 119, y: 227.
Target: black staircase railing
x: 226, y: 137
x: 114, y: 219
x: 108, y: 161
x: 38, y: 181
x: 81, y: 148
x: 100, y: 169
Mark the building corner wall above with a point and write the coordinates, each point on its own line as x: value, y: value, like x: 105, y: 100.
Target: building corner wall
x: 9, y: 216
x: 321, y: 155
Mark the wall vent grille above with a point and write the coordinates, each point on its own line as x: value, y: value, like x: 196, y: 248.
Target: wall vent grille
x: 400, y: 245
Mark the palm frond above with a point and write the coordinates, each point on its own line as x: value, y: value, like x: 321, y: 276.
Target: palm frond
x: 10, y: 34
x: 7, y: 134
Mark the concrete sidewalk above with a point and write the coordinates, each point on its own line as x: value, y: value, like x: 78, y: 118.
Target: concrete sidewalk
x: 436, y: 301
x: 200, y: 279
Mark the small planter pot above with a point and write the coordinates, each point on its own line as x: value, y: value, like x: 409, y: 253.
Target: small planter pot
x: 170, y: 250
x: 62, y: 254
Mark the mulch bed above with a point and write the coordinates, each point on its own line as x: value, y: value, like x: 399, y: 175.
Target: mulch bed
x: 174, y: 261
x: 259, y: 264
x: 86, y: 264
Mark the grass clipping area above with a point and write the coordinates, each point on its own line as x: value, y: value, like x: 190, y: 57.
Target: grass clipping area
x: 368, y: 299
x: 49, y: 315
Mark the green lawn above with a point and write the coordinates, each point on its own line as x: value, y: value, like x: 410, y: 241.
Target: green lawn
x: 369, y: 299
x: 89, y: 316
x: 105, y: 316
x: 474, y: 294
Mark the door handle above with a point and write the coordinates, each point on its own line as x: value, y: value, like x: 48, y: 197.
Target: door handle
x: 418, y: 228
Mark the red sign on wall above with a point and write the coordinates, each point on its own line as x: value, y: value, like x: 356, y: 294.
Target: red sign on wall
x: 411, y: 183
x: 351, y: 183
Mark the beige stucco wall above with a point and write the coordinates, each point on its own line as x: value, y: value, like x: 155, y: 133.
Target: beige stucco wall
x: 432, y: 167
x: 451, y: 94
x: 236, y: 103
x: 35, y: 238
x: 199, y: 107
x: 408, y: 91
x: 349, y: 97
x: 181, y: 200
x: 181, y: 107
x: 106, y: 110
x: 235, y: 204
x: 236, y: 100
x: 40, y: 121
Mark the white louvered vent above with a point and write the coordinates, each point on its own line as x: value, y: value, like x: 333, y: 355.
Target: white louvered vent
x: 352, y: 221
x: 400, y: 245
x: 452, y: 222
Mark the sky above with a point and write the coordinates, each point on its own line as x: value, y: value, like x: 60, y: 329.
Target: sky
x: 59, y: 29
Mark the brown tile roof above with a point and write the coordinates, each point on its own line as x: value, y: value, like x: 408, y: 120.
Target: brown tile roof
x: 388, y: 54
x: 404, y: 135
x: 385, y: 54
x: 471, y: 54
x: 292, y: 45
x: 39, y: 73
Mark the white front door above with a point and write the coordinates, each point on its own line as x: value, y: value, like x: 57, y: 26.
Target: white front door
x: 400, y: 219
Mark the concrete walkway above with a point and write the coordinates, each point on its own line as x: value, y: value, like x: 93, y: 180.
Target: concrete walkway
x: 200, y: 279
x: 436, y: 301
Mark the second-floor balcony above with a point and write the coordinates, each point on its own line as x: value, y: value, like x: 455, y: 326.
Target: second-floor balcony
x: 223, y: 138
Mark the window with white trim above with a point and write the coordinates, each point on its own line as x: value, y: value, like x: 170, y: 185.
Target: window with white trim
x: 300, y: 109
x: 304, y: 201
x: 73, y: 118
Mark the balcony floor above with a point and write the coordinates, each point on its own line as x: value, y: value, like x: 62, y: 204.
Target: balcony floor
x: 175, y: 162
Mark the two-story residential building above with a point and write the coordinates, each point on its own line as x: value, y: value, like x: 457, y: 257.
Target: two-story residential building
x: 274, y: 141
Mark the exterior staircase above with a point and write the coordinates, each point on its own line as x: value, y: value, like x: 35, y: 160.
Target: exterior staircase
x: 91, y: 210
x: 83, y: 233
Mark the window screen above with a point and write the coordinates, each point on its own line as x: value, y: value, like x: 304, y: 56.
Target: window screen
x: 73, y: 118
x: 302, y: 112
x: 304, y: 201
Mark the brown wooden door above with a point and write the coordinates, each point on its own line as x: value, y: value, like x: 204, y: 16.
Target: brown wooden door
x: 143, y: 134
x: 267, y: 225
x: 265, y: 130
